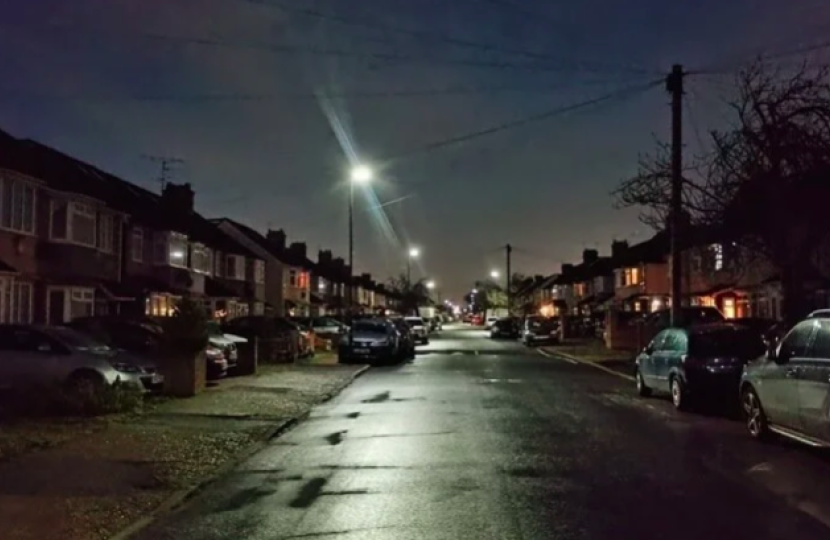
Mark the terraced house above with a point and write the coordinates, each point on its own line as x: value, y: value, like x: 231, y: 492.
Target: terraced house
x: 77, y: 241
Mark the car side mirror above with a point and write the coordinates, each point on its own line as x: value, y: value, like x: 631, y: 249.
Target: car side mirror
x: 44, y: 348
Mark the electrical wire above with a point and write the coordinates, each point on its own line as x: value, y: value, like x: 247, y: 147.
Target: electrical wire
x: 549, y: 61
x: 619, y: 94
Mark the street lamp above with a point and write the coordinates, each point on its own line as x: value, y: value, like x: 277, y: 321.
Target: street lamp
x: 361, y: 174
x: 414, y: 253
x: 494, y: 274
x: 430, y: 285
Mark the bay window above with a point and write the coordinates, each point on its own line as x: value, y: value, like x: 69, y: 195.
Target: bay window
x: 170, y: 248
x: 106, y: 233
x: 235, y: 267
x: 22, y: 294
x: 201, y: 259
x: 137, y: 245
x: 82, y: 224
x: 81, y: 303
x: 17, y: 206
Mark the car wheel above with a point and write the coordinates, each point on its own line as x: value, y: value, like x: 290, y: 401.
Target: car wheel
x: 642, y: 389
x: 756, y: 419
x: 85, y: 382
x: 679, y: 396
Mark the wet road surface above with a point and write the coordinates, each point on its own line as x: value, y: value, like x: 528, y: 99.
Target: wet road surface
x: 480, y: 439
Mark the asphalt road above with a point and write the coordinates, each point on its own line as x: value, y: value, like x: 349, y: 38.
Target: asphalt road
x: 478, y: 439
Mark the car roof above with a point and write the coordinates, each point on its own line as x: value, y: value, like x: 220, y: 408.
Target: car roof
x: 819, y: 313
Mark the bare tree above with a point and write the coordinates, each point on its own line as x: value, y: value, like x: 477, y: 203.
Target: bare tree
x: 764, y: 181
x: 413, y: 293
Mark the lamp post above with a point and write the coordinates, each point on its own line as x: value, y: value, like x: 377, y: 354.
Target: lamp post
x: 360, y: 175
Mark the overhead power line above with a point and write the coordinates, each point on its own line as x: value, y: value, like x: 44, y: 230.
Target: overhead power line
x: 548, y: 61
x: 302, y: 96
x: 620, y: 94
x: 729, y: 67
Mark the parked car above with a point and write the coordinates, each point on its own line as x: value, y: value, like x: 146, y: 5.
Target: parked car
x: 370, y: 340
x: 32, y: 355
x: 407, y: 338
x: 787, y: 391
x: 691, y: 316
x: 267, y: 327
x: 506, y: 328
x: 419, y: 329
x: 539, y: 329
x: 697, y: 363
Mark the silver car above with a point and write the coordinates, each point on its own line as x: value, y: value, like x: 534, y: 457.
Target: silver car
x: 43, y: 355
x: 419, y: 329
x: 787, y: 392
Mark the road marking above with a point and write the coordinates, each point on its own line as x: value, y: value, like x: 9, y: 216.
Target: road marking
x: 575, y: 360
x: 556, y: 357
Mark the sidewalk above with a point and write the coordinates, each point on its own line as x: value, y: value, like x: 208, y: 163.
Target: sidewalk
x: 594, y: 352
x: 91, y: 479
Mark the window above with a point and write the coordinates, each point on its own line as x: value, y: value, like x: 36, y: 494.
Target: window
x: 303, y: 280
x: 137, y: 245
x: 292, y: 278
x: 17, y: 211
x: 717, y: 251
x: 81, y: 303
x: 106, y: 233
x: 170, y: 249
x: 259, y: 272
x: 201, y: 259
x: 821, y: 343
x: 160, y: 305
x: 631, y: 276
x: 795, y: 343
x: 59, y: 220
x: 21, y: 303
x: 82, y: 224
x: 5, y: 297
x: 729, y: 308
x: 235, y: 267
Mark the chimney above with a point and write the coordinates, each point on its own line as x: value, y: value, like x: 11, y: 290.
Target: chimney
x: 299, y: 249
x: 366, y: 277
x: 590, y: 256
x: 618, y: 247
x: 567, y: 269
x: 277, y: 238
x: 324, y: 257
x: 178, y: 199
x: 338, y: 263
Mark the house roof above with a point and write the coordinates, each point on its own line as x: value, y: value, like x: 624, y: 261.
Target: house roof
x: 65, y: 173
x: 283, y: 255
x: 653, y: 250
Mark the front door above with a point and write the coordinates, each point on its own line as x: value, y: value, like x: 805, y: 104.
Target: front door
x: 814, y: 386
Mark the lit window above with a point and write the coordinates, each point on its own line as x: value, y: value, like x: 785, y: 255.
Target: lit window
x: 170, y: 249
x: 717, y: 250
x: 729, y: 308
x: 292, y: 278
x: 17, y: 211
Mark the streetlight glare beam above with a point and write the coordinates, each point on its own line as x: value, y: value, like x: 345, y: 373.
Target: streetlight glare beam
x: 362, y: 174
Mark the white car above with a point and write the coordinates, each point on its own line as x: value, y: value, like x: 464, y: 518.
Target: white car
x: 490, y: 322
x: 419, y: 329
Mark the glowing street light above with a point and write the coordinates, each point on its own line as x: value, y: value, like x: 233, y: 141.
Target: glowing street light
x: 430, y: 284
x: 414, y: 253
x: 362, y: 174
x: 494, y: 274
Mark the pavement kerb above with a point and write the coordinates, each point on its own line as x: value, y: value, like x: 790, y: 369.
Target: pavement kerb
x: 179, y: 497
x: 582, y: 361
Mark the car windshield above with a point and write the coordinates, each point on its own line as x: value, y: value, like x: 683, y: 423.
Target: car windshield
x: 737, y: 342
x: 542, y: 323
x: 414, y: 321
x: 76, y: 340
x: 370, y: 327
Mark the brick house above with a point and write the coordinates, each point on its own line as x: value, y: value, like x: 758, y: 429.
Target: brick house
x: 641, y: 275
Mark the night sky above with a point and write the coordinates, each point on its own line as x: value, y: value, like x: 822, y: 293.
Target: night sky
x: 268, y: 107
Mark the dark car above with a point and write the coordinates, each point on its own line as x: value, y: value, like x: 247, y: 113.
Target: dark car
x: 507, y: 328
x: 370, y: 340
x: 697, y: 363
x: 538, y: 329
x: 690, y: 316
x: 407, y: 338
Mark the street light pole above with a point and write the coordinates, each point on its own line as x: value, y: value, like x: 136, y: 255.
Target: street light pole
x: 350, y: 293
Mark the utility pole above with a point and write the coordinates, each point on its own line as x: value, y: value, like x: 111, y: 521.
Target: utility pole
x: 674, y: 85
x: 166, y: 163
x: 508, y: 251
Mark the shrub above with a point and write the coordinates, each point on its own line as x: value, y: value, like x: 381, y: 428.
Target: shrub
x: 58, y: 400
